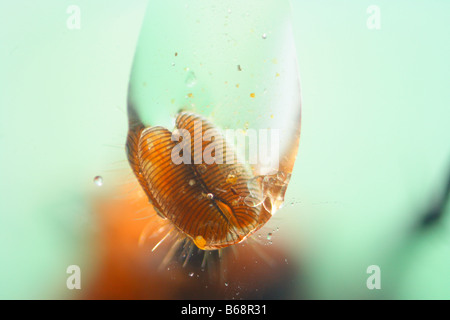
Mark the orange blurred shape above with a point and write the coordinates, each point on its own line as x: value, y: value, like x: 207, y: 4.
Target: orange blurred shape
x: 126, y: 270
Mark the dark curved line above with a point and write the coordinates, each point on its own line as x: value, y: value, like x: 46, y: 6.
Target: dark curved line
x: 436, y: 212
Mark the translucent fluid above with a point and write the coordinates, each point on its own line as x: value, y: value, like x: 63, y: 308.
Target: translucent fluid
x: 230, y: 67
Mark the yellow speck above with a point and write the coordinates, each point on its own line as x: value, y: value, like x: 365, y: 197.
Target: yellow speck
x: 172, y: 101
x: 190, y: 95
x: 237, y: 85
x: 200, y: 242
x: 277, y: 75
x: 271, y: 116
x: 231, y: 179
x: 252, y: 95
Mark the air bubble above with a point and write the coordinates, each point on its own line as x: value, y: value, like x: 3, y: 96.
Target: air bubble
x: 98, y: 180
x: 264, y: 36
x: 210, y: 196
x: 191, y: 80
x: 269, y: 236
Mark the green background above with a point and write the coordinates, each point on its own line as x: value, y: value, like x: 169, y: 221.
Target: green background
x: 374, y: 150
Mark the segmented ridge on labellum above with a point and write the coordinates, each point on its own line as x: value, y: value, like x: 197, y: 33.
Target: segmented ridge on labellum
x: 205, y: 200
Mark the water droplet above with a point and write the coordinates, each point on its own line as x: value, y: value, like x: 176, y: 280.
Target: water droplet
x: 226, y: 284
x: 269, y: 236
x: 191, y: 274
x: 191, y: 182
x: 191, y: 80
x: 210, y: 196
x: 98, y: 180
x: 173, y: 64
x: 264, y: 36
